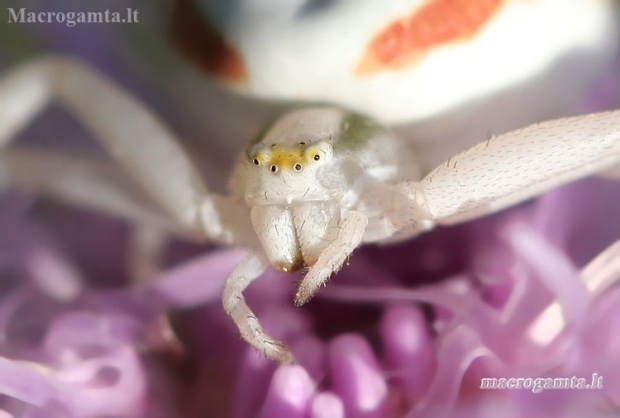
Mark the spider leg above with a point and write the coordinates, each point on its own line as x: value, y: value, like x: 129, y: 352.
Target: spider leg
x: 98, y: 186
x: 333, y: 256
x: 235, y: 306
x: 135, y: 137
x: 513, y: 167
x: 516, y: 166
x: 147, y: 250
x: 85, y: 182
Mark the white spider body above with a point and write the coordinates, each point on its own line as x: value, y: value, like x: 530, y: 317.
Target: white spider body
x: 288, y: 206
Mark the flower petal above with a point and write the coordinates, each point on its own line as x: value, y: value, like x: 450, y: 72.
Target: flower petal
x: 327, y: 405
x: 357, y: 377
x: 289, y: 393
x: 408, y: 347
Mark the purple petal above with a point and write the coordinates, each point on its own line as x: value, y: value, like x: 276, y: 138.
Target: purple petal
x: 555, y: 271
x: 604, y: 271
x: 357, y: 377
x: 252, y: 379
x: 71, y: 331
x: 551, y: 266
x: 327, y: 405
x: 456, y: 353
x: 285, y: 322
x: 453, y: 299
x: 22, y: 382
x: 193, y: 283
x: 123, y: 394
x: 580, y: 217
x: 409, y: 348
x: 54, y: 274
x: 310, y: 353
x: 289, y: 393
x: 10, y: 304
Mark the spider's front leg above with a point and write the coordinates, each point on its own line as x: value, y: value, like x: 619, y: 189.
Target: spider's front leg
x: 510, y: 168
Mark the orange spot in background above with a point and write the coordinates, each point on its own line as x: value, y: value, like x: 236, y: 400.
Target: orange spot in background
x: 439, y: 22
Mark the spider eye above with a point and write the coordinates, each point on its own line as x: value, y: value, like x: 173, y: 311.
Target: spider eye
x: 256, y: 161
x: 274, y: 168
x: 317, y: 157
x: 297, y: 167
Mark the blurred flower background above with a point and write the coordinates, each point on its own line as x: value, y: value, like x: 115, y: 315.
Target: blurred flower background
x: 403, y: 330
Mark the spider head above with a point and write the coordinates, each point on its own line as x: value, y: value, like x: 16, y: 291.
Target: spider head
x: 299, y: 157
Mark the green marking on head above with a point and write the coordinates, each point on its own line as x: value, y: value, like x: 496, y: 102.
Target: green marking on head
x: 355, y: 131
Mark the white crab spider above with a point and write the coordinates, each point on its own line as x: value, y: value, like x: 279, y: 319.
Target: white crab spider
x: 315, y: 185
